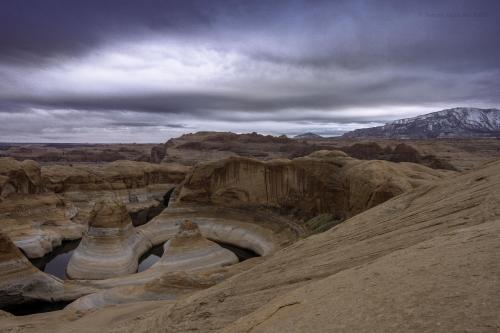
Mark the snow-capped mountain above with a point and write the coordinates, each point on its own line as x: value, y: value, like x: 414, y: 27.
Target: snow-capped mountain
x: 450, y: 123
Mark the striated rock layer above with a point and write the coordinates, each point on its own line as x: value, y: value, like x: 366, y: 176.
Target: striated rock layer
x: 111, y: 247
x: 189, y: 251
x: 262, y: 233
x: 173, y: 275
x: 21, y: 282
x: 323, y: 182
x: 42, y: 206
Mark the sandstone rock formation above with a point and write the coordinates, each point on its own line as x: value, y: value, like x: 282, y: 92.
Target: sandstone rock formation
x: 190, y: 149
x: 189, y: 251
x: 323, y: 182
x: 262, y: 233
x: 21, y: 282
x: 41, y: 206
x: 173, y: 275
x: 167, y: 286
x: 111, y: 246
x: 426, y: 260
x: 19, y: 178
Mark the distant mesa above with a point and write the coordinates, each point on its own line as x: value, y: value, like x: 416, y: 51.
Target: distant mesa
x: 451, y: 123
x: 308, y: 135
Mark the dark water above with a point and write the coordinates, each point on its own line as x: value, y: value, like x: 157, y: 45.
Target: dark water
x: 242, y: 253
x: 149, y: 258
x: 35, y: 307
x: 55, y: 262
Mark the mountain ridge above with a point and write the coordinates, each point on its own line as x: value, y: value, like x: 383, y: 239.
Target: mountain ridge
x: 459, y: 122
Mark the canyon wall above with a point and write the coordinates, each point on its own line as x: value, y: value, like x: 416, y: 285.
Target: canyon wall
x: 323, y: 182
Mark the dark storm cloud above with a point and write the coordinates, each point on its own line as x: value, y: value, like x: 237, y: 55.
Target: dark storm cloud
x: 296, y: 61
x: 37, y: 30
x: 349, y: 33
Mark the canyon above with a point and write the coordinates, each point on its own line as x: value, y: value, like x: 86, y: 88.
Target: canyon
x: 255, y: 233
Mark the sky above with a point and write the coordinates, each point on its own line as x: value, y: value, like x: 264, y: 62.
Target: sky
x: 145, y: 71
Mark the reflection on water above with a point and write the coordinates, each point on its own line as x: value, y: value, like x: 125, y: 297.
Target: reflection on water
x: 55, y: 262
x: 149, y: 258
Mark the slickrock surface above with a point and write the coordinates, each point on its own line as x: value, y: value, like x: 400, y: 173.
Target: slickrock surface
x: 111, y: 247
x: 323, y: 182
x: 42, y: 206
x: 425, y: 261
x: 166, y: 286
x: 21, y: 282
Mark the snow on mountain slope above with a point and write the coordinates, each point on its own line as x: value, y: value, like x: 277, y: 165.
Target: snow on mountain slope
x: 456, y: 122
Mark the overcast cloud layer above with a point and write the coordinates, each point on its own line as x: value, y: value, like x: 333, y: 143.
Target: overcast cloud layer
x: 144, y: 71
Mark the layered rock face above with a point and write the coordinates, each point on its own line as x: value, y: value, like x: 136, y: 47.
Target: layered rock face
x: 323, y: 182
x: 111, y: 247
x: 21, y: 282
x: 41, y: 206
